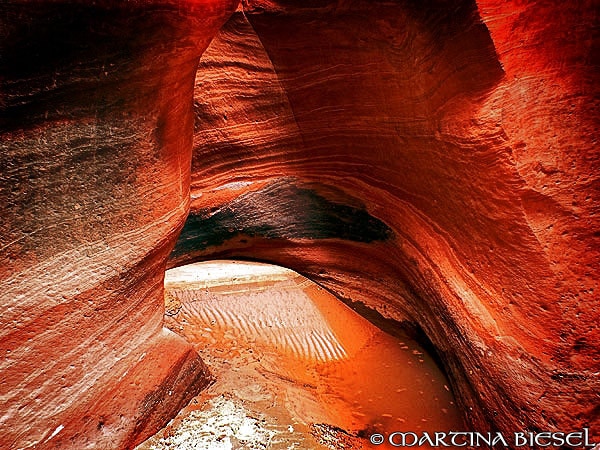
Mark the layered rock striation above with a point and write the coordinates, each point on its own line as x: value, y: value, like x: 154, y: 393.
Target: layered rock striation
x: 95, y: 138
x: 435, y: 161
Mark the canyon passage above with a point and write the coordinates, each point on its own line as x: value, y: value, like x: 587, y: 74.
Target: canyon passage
x: 432, y: 165
x: 284, y: 349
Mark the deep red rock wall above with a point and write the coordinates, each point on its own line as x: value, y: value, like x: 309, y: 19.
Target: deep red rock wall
x: 453, y: 148
x: 436, y: 161
x: 95, y: 139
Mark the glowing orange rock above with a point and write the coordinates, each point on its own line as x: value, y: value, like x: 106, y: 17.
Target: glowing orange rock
x: 469, y: 132
x: 95, y: 137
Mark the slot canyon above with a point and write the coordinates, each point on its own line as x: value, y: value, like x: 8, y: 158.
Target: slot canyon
x: 432, y: 165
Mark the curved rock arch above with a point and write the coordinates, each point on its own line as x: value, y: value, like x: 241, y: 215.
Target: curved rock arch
x: 430, y: 167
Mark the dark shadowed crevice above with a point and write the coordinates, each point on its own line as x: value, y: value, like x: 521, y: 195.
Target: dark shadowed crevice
x: 284, y: 209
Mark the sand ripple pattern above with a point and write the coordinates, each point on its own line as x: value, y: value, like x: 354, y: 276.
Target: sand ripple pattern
x: 284, y: 318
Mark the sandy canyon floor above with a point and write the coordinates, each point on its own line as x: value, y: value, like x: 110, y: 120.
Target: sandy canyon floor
x: 294, y: 367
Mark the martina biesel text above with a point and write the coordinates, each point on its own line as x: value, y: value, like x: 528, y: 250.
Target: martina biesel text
x: 577, y: 439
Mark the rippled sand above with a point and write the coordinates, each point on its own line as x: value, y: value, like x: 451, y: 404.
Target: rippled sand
x: 295, y: 368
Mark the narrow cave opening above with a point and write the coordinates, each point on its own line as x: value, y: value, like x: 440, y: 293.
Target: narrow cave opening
x: 293, y: 366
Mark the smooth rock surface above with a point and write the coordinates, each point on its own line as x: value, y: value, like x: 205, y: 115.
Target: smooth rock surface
x: 95, y: 139
x: 467, y: 134
x: 436, y: 161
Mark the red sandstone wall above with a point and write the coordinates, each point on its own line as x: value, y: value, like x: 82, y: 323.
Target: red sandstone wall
x: 469, y: 131
x: 95, y: 139
x: 435, y: 160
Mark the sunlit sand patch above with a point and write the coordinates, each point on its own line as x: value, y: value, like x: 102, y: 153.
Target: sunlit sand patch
x: 223, y: 425
x: 284, y: 319
x: 227, y: 274
x: 285, y: 350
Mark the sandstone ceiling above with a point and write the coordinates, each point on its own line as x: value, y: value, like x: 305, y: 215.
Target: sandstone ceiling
x: 436, y: 161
